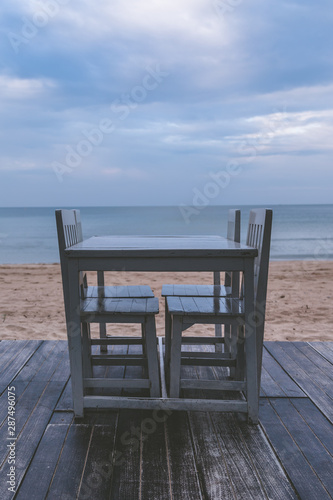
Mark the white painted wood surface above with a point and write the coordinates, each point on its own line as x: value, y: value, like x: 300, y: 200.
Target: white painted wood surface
x: 183, y: 311
x: 162, y: 253
x: 83, y: 307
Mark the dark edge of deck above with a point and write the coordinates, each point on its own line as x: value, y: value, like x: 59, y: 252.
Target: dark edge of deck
x: 168, y: 455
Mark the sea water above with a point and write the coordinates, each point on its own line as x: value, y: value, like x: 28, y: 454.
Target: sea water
x: 28, y: 235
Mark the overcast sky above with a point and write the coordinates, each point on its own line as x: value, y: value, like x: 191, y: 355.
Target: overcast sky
x: 166, y: 102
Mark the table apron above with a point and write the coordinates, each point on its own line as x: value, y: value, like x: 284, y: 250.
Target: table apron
x: 179, y: 264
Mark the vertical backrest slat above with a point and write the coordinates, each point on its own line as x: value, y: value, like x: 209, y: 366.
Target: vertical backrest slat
x: 78, y: 225
x: 233, y: 233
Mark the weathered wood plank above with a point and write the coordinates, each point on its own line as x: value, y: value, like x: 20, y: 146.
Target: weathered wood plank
x: 31, y: 434
x: 126, y: 478
x: 99, y: 417
x: 127, y: 458
x: 301, y: 377
x: 26, y: 404
x: 319, y: 424
x: 320, y: 365
x: 269, y: 387
x: 62, y: 372
x: 317, y: 373
x: 43, y: 362
x: 5, y: 345
x: 12, y: 367
x: 35, y: 369
x: 68, y: 474
x: 97, y: 476
x: 243, y: 475
x: 324, y: 348
x: 10, y: 351
x: 40, y: 472
x: 311, y: 447
x: 154, y: 470
x: 65, y: 403
x: 186, y: 470
x: 184, y: 477
x: 305, y: 481
x: 272, y: 477
x: 62, y: 418
x: 23, y: 410
x: 34, y: 410
x: 213, y: 470
x: 253, y: 468
x: 280, y: 376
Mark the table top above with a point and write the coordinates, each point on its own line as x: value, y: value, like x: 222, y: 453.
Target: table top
x: 160, y: 246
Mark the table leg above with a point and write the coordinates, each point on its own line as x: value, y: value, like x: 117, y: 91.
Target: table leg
x: 175, y: 361
x: 151, y: 349
x: 74, y: 337
x: 250, y: 343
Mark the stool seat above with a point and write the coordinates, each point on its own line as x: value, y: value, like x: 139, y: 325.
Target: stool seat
x: 119, y: 291
x: 196, y: 290
x: 118, y: 307
x: 205, y: 306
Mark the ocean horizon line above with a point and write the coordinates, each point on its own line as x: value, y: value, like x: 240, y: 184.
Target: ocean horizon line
x: 171, y: 206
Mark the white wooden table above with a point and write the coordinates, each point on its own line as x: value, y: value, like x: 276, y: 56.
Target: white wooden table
x: 150, y: 253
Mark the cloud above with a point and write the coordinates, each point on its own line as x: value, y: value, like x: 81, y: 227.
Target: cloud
x: 287, y: 133
x: 251, y: 83
x: 23, y: 88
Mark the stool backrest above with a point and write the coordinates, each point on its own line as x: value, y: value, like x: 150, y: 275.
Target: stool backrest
x: 69, y: 230
x: 259, y: 236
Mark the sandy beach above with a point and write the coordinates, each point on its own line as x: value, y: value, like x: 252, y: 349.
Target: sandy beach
x: 299, y: 305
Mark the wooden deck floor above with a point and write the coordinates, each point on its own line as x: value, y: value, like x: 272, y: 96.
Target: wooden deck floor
x: 149, y: 455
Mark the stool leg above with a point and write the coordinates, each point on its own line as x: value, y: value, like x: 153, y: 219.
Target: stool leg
x: 240, y: 354
x: 252, y: 394
x: 143, y: 336
x: 102, y: 334
x: 102, y: 326
x: 175, y: 361
x: 227, y: 338
x: 86, y: 351
x: 230, y: 344
x: 167, y: 345
x: 151, y: 349
x: 218, y: 328
x: 144, y: 349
